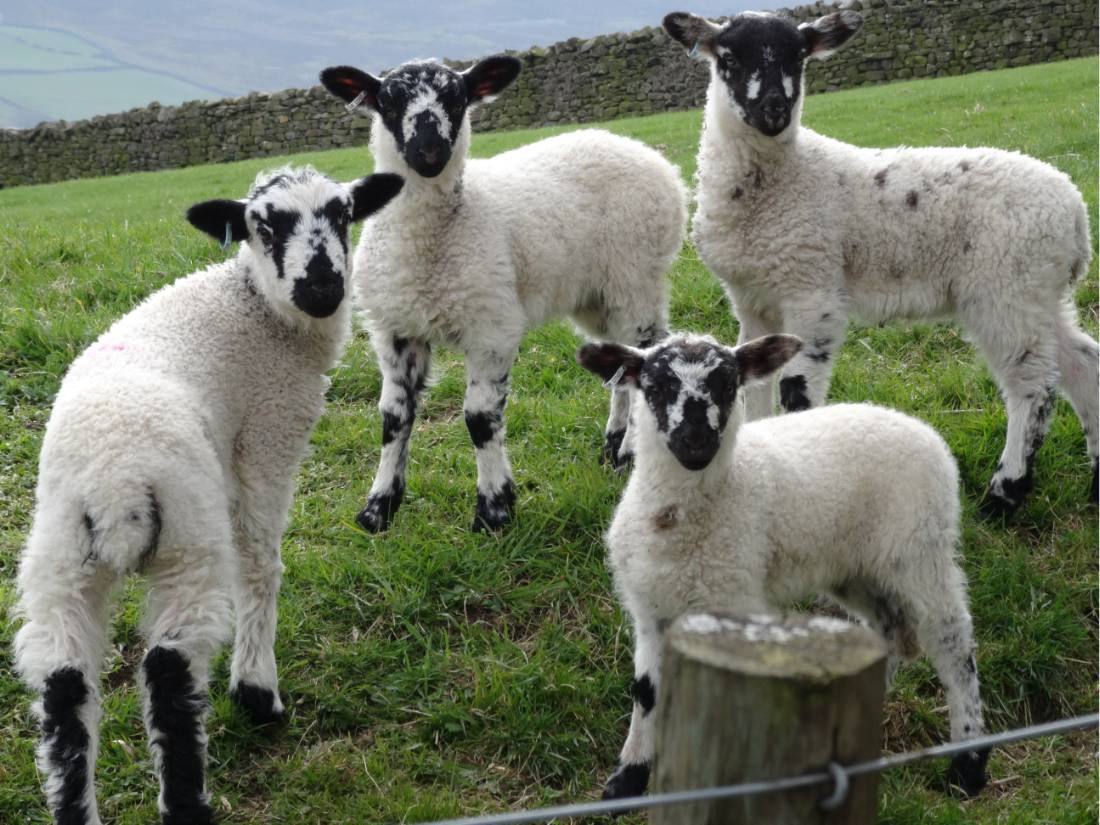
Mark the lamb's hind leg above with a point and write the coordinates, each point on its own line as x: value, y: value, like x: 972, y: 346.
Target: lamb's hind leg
x: 487, y: 382
x: 883, y: 612
x: 1027, y: 369
x: 188, y: 617
x: 945, y: 630
x: 58, y: 653
x: 404, y: 363
x: 1079, y: 364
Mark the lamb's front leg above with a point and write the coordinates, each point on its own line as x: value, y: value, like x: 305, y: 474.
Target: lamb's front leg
x: 759, y: 398
x: 266, y: 479
x: 636, y: 758
x: 487, y: 381
x: 404, y: 363
x: 821, y: 324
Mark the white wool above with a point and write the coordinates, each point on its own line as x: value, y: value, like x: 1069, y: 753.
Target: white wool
x: 202, y: 400
x: 583, y: 225
x: 805, y: 231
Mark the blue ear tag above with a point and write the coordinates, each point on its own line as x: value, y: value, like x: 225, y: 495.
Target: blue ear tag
x: 694, y: 50
x: 228, y: 235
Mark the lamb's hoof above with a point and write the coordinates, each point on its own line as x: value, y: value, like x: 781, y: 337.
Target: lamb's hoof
x: 627, y: 781
x: 967, y: 772
x: 995, y: 507
x: 495, y: 509
x: 261, y: 704
x: 197, y: 814
x: 379, y: 512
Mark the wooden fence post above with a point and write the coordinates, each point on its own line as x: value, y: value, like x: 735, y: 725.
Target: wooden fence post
x: 764, y: 697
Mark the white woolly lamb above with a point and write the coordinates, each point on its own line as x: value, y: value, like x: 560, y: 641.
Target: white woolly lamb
x: 853, y: 501
x: 477, y: 252
x: 804, y: 231
x: 171, y: 451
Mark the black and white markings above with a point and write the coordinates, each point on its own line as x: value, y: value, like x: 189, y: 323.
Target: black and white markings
x: 423, y: 103
x: 64, y: 750
x: 760, y: 58
x: 175, y: 709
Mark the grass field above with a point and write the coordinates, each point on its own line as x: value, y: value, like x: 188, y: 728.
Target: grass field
x: 432, y: 672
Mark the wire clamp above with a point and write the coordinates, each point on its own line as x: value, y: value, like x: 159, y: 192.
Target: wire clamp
x: 840, y: 788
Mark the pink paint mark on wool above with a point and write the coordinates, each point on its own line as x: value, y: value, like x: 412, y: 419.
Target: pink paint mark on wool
x: 111, y: 347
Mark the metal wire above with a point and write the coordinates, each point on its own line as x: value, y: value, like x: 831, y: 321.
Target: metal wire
x: 616, y: 806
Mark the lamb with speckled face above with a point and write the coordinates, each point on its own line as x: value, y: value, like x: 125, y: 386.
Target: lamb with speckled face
x: 171, y: 452
x: 805, y: 231
x: 854, y: 502
x: 474, y: 253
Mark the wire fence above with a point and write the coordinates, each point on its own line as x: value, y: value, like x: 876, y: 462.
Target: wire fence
x: 836, y: 775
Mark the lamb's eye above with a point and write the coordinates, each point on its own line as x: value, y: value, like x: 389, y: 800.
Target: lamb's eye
x: 264, y: 233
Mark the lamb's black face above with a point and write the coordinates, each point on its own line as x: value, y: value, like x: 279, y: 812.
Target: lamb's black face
x: 690, y: 388
x: 296, y: 224
x: 760, y: 59
x: 690, y: 384
x: 422, y: 105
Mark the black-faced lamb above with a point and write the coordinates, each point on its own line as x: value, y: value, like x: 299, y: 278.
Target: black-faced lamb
x: 171, y: 452
x: 852, y: 501
x: 474, y: 253
x: 805, y: 231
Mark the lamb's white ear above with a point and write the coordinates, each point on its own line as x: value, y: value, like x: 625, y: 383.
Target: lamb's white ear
x: 220, y: 219
x: 827, y: 34
x: 614, y: 363
x: 759, y: 358
x: 696, y: 34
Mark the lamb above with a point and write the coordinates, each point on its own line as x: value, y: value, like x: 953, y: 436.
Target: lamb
x: 477, y: 252
x: 804, y: 231
x: 171, y: 452
x: 852, y: 501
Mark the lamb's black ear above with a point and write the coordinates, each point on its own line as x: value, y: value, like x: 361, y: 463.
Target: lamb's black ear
x: 827, y: 34
x: 605, y: 360
x: 491, y: 76
x: 347, y: 83
x: 212, y: 217
x: 694, y: 33
x: 759, y: 358
x: 373, y: 192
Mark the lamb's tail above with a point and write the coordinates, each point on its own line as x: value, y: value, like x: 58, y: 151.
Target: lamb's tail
x: 123, y: 530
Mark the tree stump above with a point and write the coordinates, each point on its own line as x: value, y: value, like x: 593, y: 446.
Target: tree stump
x: 764, y: 697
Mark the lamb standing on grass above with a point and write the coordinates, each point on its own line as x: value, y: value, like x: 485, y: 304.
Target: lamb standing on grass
x: 171, y: 451
x: 804, y: 230
x: 853, y: 501
x: 477, y: 252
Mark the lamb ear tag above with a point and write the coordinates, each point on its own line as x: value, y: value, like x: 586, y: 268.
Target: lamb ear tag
x: 354, y: 104
x: 614, y: 380
x: 694, y: 50
x: 228, y: 239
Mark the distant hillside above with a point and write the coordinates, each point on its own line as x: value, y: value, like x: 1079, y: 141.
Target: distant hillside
x: 71, y: 59
x: 49, y: 74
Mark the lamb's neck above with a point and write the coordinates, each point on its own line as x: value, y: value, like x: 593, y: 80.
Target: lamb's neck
x: 324, y: 337
x: 730, y: 149
x: 663, y: 478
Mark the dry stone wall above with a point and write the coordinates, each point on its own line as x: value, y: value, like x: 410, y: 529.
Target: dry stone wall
x: 575, y: 81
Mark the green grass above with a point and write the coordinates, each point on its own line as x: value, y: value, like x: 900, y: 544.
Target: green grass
x: 432, y: 672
